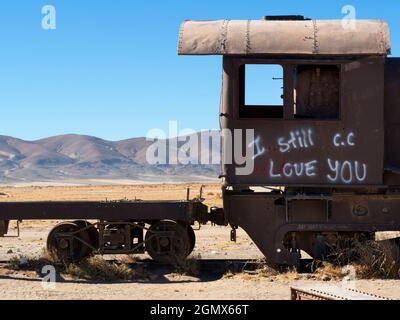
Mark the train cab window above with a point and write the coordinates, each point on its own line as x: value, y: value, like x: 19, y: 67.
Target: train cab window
x: 261, y: 91
x: 316, y: 91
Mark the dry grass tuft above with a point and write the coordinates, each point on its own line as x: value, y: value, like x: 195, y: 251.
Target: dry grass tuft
x: 267, y: 272
x: 99, y: 269
x: 93, y: 268
x: 379, y: 260
x: 328, y: 271
x: 264, y: 270
x: 288, y: 276
x: 18, y: 263
x: 259, y: 269
x: 188, y: 266
x: 371, y: 259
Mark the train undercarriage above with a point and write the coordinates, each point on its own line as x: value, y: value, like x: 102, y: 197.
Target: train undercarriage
x: 163, y: 229
x: 165, y: 241
x: 284, y: 223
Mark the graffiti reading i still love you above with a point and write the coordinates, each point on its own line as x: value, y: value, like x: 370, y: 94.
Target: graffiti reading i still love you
x: 339, y: 171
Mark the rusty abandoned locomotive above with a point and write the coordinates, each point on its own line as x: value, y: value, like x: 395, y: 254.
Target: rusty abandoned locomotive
x: 326, y: 161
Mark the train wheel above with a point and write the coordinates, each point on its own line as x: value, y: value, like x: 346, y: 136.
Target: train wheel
x: 63, y: 244
x: 192, y: 237
x: 167, y: 241
x: 191, y: 234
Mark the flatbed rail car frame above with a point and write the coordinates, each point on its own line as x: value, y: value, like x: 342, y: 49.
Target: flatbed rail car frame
x: 185, y: 210
x: 162, y: 228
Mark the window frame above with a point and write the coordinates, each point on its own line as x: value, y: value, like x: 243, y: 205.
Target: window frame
x: 249, y: 108
x: 288, y: 67
x: 338, y: 117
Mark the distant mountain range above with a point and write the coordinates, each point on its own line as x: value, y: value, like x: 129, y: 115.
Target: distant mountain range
x: 74, y: 158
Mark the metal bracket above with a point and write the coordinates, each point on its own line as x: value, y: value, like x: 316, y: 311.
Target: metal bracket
x: 18, y: 232
x: 233, y: 233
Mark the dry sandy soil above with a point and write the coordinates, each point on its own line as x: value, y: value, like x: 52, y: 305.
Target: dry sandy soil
x: 212, y: 244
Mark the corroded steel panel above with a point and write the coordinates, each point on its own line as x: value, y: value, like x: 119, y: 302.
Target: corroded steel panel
x: 309, y: 37
x: 348, y: 150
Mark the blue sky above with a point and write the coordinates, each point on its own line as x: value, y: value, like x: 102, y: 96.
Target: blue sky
x: 110, y: 69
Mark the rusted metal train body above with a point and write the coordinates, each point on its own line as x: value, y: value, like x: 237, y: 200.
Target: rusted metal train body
x: 326, y: 166
x: 330, y: 148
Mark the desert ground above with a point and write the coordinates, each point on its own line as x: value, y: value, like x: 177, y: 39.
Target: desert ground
x: 219, y: 272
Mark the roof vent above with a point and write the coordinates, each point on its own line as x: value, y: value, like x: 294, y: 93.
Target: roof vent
x: 285, y: 18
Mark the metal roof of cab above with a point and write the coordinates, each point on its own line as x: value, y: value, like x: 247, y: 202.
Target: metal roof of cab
x: 264, y: 37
